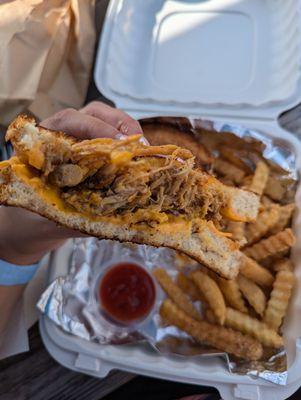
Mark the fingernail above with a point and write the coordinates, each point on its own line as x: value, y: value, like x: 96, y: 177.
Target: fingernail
x: 144, y: 141
x: 123, y: 128
x: 121, y: 136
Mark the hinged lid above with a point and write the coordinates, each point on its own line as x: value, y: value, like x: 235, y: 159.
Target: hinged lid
x: 225, y: 58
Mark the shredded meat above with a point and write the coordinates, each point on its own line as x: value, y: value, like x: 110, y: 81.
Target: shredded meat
x: 161, y: 134
x: 106, y: 176
x: 157, y: 183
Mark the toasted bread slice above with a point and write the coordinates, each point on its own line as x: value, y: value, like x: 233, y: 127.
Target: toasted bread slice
x: 124, y: 190
x: 206, y: 245
x: 45, y: 149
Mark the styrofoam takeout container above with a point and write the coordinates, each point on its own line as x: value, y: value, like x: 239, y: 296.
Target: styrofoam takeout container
x: 236, y: 61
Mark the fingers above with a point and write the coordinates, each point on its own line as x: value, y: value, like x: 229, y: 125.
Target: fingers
x: 117, y: 118
x: 94, y: 120
x: 37, y: 237
x: 80, y: 125
x: 52, y: 231
x: 40, y: 227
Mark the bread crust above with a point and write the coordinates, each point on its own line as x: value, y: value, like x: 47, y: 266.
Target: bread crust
x: 17, y: 125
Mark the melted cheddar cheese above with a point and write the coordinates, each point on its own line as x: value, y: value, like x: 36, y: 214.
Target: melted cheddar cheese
x: 230, y: 214
x: 7, y: 163
x: 36, y: 157
x: 121, y: 157
x: 48, y: 193
x: 51, y: 195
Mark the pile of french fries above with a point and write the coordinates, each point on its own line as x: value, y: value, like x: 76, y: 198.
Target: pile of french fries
x: 242, y: 317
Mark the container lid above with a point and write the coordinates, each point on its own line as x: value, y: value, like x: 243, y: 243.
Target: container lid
x: 225, y: 58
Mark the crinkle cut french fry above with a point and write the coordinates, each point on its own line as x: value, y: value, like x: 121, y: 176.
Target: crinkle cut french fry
x: 278, y: 302
x: 255, y: 272
x: 264, y: 222
x: 232, y: 294
x: 182, y: 260
x: 229, y: 170
x: 221, y: 338
x: 212, y: 293
x: 230, y: 290
x: 246, y: 182
x: 260, y: 178
x: 253, y: 327
x: 266, y: 201
x: 210, y: 317
x: 189, y: 287
x: 274, y: 189
x: 237, y: 229
x: 228, y: 155
x: 272, y: 246
x: 283, y: 265
x: 226, y: 180
x: 252, y: 293
x: 285, y: 214
x: 175, y: 293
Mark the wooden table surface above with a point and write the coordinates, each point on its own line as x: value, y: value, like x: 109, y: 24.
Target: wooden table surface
x: 36, y: 376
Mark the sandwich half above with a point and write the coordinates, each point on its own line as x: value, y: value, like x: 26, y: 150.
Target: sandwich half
x: 126, y: 191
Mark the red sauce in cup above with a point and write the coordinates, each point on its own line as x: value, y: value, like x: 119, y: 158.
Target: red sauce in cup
x: 127, y: 293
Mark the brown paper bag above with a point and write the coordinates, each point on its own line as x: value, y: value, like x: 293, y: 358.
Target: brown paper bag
x: 46, y: 54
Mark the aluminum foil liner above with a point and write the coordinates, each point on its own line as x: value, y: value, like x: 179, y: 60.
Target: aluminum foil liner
x: 70, y: 300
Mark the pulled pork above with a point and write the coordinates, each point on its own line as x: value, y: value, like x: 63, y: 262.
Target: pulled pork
x: 106, y: 176
x: 157, y: 183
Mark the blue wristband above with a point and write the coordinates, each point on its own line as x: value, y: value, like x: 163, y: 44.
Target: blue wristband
x: 12, y: 274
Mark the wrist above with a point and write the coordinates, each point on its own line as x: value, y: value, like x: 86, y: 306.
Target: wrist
x: 12, y: 274
x: 19, y: 254
x: 14, y: 256
x: 26, y: 253
x: 24, y: 238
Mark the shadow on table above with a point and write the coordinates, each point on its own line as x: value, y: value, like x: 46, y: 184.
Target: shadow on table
x: 149, y: 389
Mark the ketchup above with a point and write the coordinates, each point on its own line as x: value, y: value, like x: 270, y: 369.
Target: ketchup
x: 127, y: 293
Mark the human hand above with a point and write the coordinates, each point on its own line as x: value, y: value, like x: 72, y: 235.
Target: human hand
x: 96, y: 119
x: 25, y: 237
